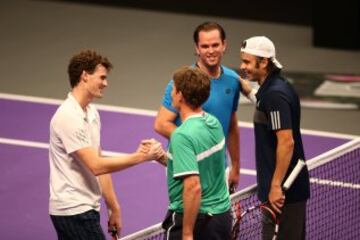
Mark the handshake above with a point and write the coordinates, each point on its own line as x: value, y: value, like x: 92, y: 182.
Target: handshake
x: 151, y: 149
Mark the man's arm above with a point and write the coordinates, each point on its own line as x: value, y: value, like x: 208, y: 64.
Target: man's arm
x: 247, y: 90
x: 108, y: 192
x: 234, y: 151
x: 100, y: 165
x: 284, y: 151
x: 191, y: 199
x: 164, y: 122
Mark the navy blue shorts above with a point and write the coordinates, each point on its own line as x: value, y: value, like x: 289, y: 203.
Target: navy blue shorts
x: 84, y: 226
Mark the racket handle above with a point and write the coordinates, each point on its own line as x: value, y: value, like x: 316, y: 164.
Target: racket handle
x: 295, y: 172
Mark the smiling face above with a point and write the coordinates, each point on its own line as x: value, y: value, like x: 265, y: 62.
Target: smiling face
x: 210, y: 48
x: 253, y: 68
x: 96, y: 82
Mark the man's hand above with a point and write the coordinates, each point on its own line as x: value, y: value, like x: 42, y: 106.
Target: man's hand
x: 151, y: 149
x: 115, y: 225
x: 276, y: 198
x: 233, y: 179
x: 247, y: 90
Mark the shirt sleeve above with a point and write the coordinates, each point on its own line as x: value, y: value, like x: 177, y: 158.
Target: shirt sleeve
x: 278, y: 111
x: 183, y: 156
x: 74, y: 135
x: 167, y: 99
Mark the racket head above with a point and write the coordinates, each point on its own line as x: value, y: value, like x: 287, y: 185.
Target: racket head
x: 269, y: 222
x: 235, y: 230
x: 250, y: 225
x: 236, y: 227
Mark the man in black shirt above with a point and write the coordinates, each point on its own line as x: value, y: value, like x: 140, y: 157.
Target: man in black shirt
x: 278, y: 138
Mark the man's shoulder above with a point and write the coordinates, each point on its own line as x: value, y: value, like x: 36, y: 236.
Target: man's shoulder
x: 230, y: 77
x: 179, y: 135
x: 282, y: 87
x: 210, y: 118
x: 66, y: 113
x: 230, y: 72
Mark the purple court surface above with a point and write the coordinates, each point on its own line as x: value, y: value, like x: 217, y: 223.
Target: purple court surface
x: 24, y: 190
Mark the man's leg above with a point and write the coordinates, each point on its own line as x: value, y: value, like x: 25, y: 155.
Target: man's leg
x: 215, y: 227
x: 293, y: 221
x: 172, y: 225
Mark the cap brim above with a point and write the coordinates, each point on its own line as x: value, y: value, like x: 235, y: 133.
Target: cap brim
x: 277, y: 63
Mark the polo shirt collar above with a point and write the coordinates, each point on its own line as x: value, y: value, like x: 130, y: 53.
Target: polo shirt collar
x: 198, y: 115
x: 89, y: 115
x: 221, y: 71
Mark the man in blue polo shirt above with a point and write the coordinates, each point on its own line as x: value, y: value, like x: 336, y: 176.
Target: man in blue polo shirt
x: 278, y: 138
x: 210, y: 46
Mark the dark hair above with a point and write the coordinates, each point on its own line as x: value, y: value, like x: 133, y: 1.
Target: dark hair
x: 270, y: 68
x: 206, y: 27
x: 86, y: 60
x: 194, y: 85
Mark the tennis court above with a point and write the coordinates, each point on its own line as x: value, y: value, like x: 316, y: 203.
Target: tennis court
x: 141, y: 190
x: 333, y: 209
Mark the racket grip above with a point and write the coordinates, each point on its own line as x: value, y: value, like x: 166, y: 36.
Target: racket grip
x: 295, y: 172
x: 114, y: 233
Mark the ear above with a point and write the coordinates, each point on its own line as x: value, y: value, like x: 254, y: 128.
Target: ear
x: 181, y: 97
x: 264, y: 62
x: 225, y: 45
x: 84, y: 76
x: 197, y: 50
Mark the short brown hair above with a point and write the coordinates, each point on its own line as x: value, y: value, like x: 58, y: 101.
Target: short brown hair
x: 207, y: 27
x: 86, y: 60
x: 194, y: 85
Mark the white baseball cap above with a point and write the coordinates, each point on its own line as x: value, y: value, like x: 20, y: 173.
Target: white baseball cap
x: 260, y: 46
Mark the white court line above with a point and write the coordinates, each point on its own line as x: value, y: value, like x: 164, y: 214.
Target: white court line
x: 41, y: 145
x: 248, y: 171
x: 145, y: 112
x: 24, y: 143
x: 52, y: 101
x: 335, y: 183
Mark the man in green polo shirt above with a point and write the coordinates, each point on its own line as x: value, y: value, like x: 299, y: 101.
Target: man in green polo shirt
x: 199, y: 200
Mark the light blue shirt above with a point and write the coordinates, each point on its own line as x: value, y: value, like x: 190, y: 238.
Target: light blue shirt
x: 223, y: 99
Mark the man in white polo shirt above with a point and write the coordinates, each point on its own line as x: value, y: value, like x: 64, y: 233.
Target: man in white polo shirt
x: 78, y: 173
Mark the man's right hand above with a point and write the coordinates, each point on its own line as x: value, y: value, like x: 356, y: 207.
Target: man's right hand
x: 151, y: 149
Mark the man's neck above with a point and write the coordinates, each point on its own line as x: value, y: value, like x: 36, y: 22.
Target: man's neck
x: 186, y: 112
x: 263, y: 79
x: 81, y: 97
x: 213, y: 72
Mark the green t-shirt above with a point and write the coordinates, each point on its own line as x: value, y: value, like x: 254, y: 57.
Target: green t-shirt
x: 197, y: 146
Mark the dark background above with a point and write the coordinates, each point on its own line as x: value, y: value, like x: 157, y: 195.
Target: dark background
x: 336, y: 24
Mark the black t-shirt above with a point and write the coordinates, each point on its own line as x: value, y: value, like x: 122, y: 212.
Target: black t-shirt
x: 278, y: 107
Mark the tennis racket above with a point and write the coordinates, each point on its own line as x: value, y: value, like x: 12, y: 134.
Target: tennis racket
x: 253, y: 216
x: 114, y: 233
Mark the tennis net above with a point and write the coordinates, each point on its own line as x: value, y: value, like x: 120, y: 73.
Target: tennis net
x: 333, y: 211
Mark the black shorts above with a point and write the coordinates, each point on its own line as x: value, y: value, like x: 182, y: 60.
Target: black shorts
x: 292, y: 223
x: 207, y: 227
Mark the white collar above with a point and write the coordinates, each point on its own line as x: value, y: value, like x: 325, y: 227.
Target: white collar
x: 87, y: 115
x: 197, y: 115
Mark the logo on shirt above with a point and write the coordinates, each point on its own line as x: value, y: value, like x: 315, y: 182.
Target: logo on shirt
x: 228, y: 91
x: 275, y: 120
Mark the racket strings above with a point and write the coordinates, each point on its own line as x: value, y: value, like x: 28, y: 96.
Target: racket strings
x: 249, y: 224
